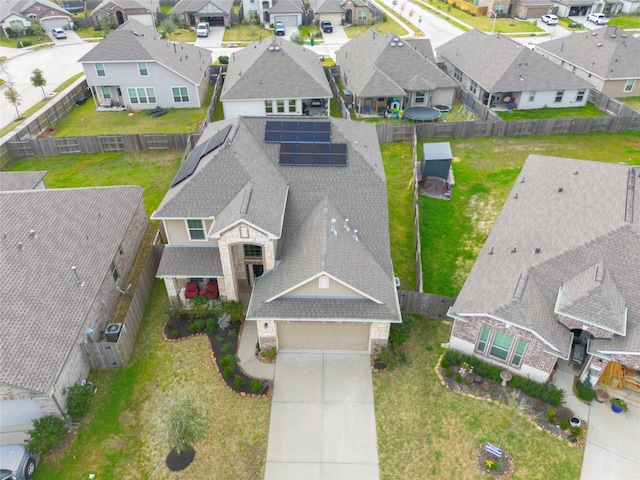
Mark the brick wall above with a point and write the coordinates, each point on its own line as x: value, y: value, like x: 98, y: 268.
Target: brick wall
x: 571, y: 324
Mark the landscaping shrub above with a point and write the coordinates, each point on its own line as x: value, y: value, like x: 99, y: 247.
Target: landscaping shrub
x: 211, y: 325
x: 192, y: 327
x: 223, y: 59
x: 78, y: 400
x: 458, y: 378
x: 219, y: 339
x: 551, y: 415
x: 168, y: 326
x: 233, y: 332
x: 46, y: 433
x: 228, y: 360
x: 450, y: 357
x: 234, y: 310
x: 399, y: 332
x: 564, y: 424
x: 448, y: 373
x: 228, y: 371
x: 576, y: 431
x: 256, y: 385
x: 175, y: 334
x: 584, y: 393
x: 238, y: 381
x: 224, y: 321
x: 270, y: 354
x: 225, y: 348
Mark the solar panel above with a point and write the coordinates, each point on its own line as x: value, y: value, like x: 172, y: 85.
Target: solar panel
x: 313, y: 154
x: 215, y: 141
x: 284, y: 131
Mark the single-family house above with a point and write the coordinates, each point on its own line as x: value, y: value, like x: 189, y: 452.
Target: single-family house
x: 63, y: 254
x: 557, y: 278
x: 134, y: 69
x: 500, y: 71
x: 340, y: 12
x: 578, y: 8
x: 17, y: 15
x: 275, y: 77
x: 516, y: 8
x: 256, y: 10
x: 289, y: 215
x: 608, y: 57
x: 385, y: 71
x: 217, y: 13
x: 289, y: 12
x: 119, y: 11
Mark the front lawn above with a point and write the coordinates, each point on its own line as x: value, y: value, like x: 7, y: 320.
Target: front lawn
x: 86, y: 120
x: 626, y: 21
x: 382, y: 28
x: 589, y: 110
x: 244, y: 34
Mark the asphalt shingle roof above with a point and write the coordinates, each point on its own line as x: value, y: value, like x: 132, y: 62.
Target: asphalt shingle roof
x: 274, y: 69
x: 190, y: 261
x: 20, y: 180
x: 203, y: 6
x: 124, y: 4
x: 545, y: 239
x: 133, y: 42
x: 500, y: 64
x: 608, y: 52
x: 383, y: 65
x: 43, y: 309
x: 11, y: 7
x: 287, y: 6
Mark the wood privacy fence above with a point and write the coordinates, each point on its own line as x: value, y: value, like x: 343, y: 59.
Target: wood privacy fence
x: 116, y: 354
x: 416, y: 215
x: 425, y: 304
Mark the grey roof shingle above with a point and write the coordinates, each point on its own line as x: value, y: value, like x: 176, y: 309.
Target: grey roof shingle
x: 573, y: 230
x: 312, y: 196
x: 43, y: 308
x: 190, y: 261
x: 203, y: 6
x: 329, y: 6
x: 287, y: 6
x: 375, y: 68
x: 20, y: 180
x: 20, y: 7
x: 133, y: 42
x: 259, y: 71
x: 500, y: 64
x: 608, y: 52
x: 124, y: 4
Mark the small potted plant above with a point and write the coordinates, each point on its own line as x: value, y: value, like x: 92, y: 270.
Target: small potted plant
x: 618, y: 405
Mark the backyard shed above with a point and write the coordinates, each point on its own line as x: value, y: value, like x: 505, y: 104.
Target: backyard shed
x: 436, y: 160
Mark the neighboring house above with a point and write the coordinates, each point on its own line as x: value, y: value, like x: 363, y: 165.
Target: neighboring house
x: 17, y: 15
x: 498, y: 70
x: 119, y: 11
x: 217, y: 13
x: 558, y: 275
x: 291, y: 217
x: 578, y: 8
x: 608, y: 57
x: 384, y: 71
x: 275, y: 77
x: 289, y: 12
x: 629, y: 6
x: 257, y: 10
x: 517, y: 8
x: 340, y: 12
x: 48, y: 308
x: 132, y: 68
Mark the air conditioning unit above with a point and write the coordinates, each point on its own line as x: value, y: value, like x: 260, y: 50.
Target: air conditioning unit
x: 112, y: 332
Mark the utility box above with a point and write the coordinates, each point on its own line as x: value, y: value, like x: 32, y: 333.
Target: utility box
x: 112, y: 332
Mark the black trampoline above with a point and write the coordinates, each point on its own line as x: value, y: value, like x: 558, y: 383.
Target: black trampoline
x: 422, y: 114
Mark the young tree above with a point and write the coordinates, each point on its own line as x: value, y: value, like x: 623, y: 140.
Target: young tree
x: 38, y: 80
x: 105, y: 24
x: 168, y: 27
x: 180, y: 421
x: 14, y: 97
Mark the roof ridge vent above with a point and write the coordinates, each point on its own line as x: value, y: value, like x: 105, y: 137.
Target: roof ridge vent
x: 600, y: 273
x: 522, y: 283
x: 631, y: 189
x: 246, y: 198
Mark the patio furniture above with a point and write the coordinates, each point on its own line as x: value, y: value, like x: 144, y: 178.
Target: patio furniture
x: 191, y: 291
x: 212, y: 291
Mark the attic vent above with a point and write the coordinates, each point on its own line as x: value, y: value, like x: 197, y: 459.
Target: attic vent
x: 245, y: 201
x: 522, y: 283
x: 598, y: 44
x: 560, y: 189
x: 396, y: 39
x: 400, y: 44
x: 600, y: 274
x: 537, y: 250
x: 392, y: 44
x: 272, y: 48
x: 277, y: 48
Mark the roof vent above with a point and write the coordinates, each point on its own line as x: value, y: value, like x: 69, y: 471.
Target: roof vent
x: 277, y: 48
x: 271, y: 48
x: 20, y: 246
x: 594, y: 34
x: 491, y: 251
x: 522, y: 181
x: 624, y: 35
x: 333, y: 226
x: 537, y: 250
x: 33, y: 234
x: 355, y: 235
x: 392, y: 44
x: 400, y: 44
x: 396, y: 39
x: 346, y: 225
x: 598, y: 44
x: 516, y: 196
x: 613, y: 35
x: 576, y: 172
x: 79, y: 282
x: 515, y: 249
x: 560, y: 189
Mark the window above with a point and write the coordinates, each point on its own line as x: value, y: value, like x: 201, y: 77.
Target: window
x: 362, y: 15
x: 323, y: 282
x: 292, y: 106
x: 268, y: 106
x: 630, y: 83
x: 563, y: 63
x: 517, y: 357
x: 499, y: 9
x: 253, y: 251
x: 106, y: 93
x: 532, y: 96
x: 580, y: 95
x: 280, y: 106
x: 420, y: 96
x: 142, y: 68
x: 473, y: 86
x: 114, y: 271
x: 142, y: 95
x: 559, y: 95
x: 100, y: 70
x: 196, y: 230
x: 501, y: 345
x: 457, y: 74
x: 484, y: 336
x: 180, y: 94
x: 574, y: 69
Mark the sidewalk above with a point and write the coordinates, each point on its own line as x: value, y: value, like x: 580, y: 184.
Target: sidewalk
x: 247, y: 353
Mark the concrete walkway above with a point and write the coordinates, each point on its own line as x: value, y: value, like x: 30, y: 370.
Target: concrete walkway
x: 247, y: 353
x: 322, y: 418
x: 612, y: 440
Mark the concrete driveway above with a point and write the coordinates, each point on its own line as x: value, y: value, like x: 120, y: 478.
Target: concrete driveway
x: 322, y: 418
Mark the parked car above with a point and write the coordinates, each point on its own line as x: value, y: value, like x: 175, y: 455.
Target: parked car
x: 202, y: 30
x: 326, y: 26
x: 597, y: 18
x: 58, y: 33
x: 16, y: 462
x: 279, y: 28
x: 549, y: 19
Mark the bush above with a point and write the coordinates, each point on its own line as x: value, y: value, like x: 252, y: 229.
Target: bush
x: 256, y: 385
x: 224, y: 321
x: 564, y: 424
x: 200, y: 324
x: 228, y: 360
x: 584, y: 393
x: 238, y: 381
x: 219, y: 339
x: 450, y: 357
x: 46, y: 433
x: 270, y: 354
x: 225, y: 348
x: 175, y: 334
x: 234, y: 310
x: 223, y: 59
x: 78, y: 400
x: 458, y: 378
x: 228, y: 371
x: 448, y: 373
x: 551, y: 415
x: 211, y: 325
x: 576, y: 431
x: 399, y: 333
x: 168, y: 326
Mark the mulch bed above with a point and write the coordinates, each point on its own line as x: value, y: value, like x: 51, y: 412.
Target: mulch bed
x: 505, y: 464
x: 176, y: 462
x: 223, y: 342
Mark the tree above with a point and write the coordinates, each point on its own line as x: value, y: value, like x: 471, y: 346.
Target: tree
x: 105, y: 24
x: 14, y: 97
x: 513, y: 422
x: 38, y: 80
x: 168, y: 27
x: 180, y: 421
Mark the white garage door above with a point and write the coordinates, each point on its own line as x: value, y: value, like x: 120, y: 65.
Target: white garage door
x: 288, y: 20
x: 323, y: 336
x: 55, y: 22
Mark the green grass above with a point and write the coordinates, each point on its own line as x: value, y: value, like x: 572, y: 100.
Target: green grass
x: 543, y: 113
x: 382, y: 28
x: 426, y: 431
x: 86, y: 120
x: 25, y: 39
x: 244, y: 34
x: 398, y: 169
x: 453, y: 232
x: 626, y: 21
x: 152, y: 170
x: 633, y: 102
x: 89, y: 33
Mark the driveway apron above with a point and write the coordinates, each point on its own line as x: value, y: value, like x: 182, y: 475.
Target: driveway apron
x: 322, y: 418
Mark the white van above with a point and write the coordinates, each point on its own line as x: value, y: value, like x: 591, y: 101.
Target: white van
x: 202, y: 30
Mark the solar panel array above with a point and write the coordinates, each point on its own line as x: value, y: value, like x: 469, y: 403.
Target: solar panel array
x: 279, y: 131
x: 193, y: 159
x: 313, y: 154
